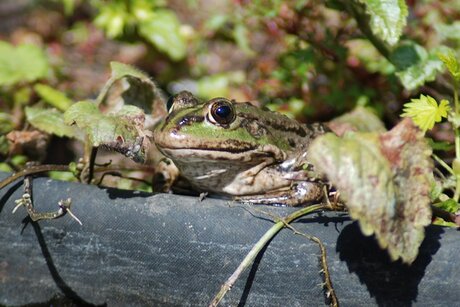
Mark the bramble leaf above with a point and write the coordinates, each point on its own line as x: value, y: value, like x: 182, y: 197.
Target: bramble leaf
x: 50, y: 121
x: 121, y: 127
x: 387, y: 18
x: 385, y: 181
x: 121, y: 131
x: 425, y: 111
x: 121, y: 70
x: 138, y: 90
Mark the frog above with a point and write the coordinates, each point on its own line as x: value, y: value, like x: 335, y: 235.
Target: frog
x: 238, y: 150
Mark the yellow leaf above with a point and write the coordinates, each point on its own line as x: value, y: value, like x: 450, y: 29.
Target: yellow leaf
x: 425, y: 111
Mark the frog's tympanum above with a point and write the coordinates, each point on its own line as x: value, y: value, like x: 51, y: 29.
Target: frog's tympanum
x: 238, y: 150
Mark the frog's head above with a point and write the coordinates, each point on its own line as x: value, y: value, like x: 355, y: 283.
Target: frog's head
x: 218, y: 129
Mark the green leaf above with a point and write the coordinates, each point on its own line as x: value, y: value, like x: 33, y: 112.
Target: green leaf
x: 50, y: 121
x: 387, y: 18
x: 142, y: 9
x: 4, y: 147
x: 215, y: 22
x: 449, y: 205
x: 385, y: 180
x: 218, y: 85
x: 139, y: 90
x: 163, y: 31
x: 425, y: 111
x: 22, y: 96
x: 121, y: 131
x: 449, y: 32
x: 62, y: 176
x: 24, y: 63
x: 415, y: 65
x: 112, y: 18
x: 53, y: 97
x: 450, y: 61
x: 121, y: 70
x: 6, y: 123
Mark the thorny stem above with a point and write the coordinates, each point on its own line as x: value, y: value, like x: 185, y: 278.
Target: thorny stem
x: 330, y: 293
x: 249, y: 259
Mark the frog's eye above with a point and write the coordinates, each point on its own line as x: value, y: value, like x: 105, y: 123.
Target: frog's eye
x: 222, y: 112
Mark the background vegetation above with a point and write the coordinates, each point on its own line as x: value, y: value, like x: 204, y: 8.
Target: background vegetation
x: 312, y: 60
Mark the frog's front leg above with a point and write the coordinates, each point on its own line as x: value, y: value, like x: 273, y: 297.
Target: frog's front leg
x: 166, y: 175
x: 298, y: 194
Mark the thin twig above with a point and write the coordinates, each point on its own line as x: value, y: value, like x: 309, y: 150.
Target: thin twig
x: 443, y: 164
x: 249, y: 259
x: 330, y: 293
x: 33, y: 170
x: 92, y: 163
x: 27, y: 202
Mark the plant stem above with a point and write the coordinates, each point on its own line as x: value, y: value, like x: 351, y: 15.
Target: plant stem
x: 457, y: 132
x: 363, y: 24
x: 443, y: 164
x: 249, y: 259
x: 33, y: 170
x: 457, y: 142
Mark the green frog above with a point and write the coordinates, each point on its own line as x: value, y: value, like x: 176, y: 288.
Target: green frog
x: 238, y: 150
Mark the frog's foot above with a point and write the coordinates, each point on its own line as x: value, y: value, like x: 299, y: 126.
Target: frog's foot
x: 300, y: 193
x: 166, y: 175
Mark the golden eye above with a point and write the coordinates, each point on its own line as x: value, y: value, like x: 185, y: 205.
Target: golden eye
x: 222, y: 112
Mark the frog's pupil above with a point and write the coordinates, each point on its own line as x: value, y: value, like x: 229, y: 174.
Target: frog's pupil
x: 223, y: 111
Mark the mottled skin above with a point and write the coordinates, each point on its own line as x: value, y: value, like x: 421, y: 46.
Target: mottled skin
x: 251, y: 154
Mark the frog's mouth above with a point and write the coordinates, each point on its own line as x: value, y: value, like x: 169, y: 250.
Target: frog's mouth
x: 214, y: 154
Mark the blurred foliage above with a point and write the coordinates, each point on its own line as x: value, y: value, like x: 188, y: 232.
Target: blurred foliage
x: 24, y: 63
x: 310, y: 59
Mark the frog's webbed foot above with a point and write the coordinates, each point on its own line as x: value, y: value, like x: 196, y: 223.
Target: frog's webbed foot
x: 300, y: 193
x: 26, y: 201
